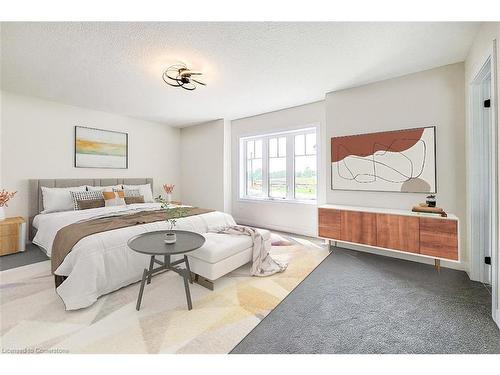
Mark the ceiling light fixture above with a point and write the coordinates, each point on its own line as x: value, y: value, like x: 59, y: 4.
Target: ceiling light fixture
x: 179, y: 75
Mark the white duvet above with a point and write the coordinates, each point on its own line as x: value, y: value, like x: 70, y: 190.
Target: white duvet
x: 102, y: 262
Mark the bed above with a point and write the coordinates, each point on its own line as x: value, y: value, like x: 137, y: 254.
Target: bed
x: 102, y: 262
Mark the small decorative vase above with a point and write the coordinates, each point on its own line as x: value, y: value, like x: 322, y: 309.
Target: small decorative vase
x: 2, y: 213
x: 431, y: 200
x: 170, y: 237
x: 169, y: 197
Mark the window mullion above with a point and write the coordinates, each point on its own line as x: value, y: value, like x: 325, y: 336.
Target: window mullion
x: 290, y: 152
x: 265, y: 166
x: 245, y: 170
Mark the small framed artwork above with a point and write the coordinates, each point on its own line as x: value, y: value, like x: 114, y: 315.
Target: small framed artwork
x: 97, y: 148
x: 401, y: 161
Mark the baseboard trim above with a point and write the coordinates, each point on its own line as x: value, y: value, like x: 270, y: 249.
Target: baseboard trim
x: 280, y: 228
x: 389, y: 253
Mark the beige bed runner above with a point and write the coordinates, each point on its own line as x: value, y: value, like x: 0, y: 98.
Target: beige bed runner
x: 68, y: 236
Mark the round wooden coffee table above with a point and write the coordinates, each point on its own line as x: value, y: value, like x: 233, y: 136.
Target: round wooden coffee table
x: 152, y: 244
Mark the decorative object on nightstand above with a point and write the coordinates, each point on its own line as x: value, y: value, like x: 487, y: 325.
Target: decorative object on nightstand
x: 160, y: 199
x: 5, y: 196
x: 12, y: 235
x: 169, y: 189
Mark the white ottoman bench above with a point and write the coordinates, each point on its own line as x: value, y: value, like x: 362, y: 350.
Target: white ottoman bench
x: 221, y: 254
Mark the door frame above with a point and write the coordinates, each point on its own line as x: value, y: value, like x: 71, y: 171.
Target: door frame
x: 476, y: 266
x: 495, y: 253
x: 476, y: 193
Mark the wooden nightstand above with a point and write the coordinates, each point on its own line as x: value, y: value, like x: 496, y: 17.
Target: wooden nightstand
x: 12, y: 235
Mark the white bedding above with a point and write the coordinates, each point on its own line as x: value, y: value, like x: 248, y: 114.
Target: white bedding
x: 102, y: 262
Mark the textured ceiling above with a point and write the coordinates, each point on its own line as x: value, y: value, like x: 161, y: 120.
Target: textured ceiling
x: 250, y: 68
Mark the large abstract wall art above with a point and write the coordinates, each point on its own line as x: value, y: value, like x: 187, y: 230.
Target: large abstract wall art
x: 396, y: 161
x: 96, y: 148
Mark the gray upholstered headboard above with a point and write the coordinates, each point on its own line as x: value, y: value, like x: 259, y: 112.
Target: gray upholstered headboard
x: 36, y: 201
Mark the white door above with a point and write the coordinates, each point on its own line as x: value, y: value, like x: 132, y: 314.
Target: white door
x: 488, y: 161
x: 482, y: 177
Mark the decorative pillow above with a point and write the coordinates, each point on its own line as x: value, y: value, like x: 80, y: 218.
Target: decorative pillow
x: 129, y: 192
x: 90, y: 203
x: 144, y: 190
x: 84, y: 196
x: 104, y: 188
x: 58, y: 199
x: 133, y: 200
x: 112, y: 198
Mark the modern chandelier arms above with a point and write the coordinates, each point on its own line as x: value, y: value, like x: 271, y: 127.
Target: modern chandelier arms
x: 179, y: 75
x: 201, y: 83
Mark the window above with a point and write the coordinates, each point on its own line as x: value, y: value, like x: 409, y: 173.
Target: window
x: 254, y: 168
x: 277, y: 167
x: 281, y: 166
x: 305, y: 166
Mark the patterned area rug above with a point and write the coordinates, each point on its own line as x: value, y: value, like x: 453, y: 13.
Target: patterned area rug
x: 33, y: 318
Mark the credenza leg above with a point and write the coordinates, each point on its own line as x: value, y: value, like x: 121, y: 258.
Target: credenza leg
x: 437, y: 264
x: 331, y: 245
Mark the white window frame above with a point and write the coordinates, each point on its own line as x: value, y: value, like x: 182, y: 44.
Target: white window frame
x: 290, y: 165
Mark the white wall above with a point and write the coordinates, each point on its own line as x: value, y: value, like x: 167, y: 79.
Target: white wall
x: 227, y: 167
x: 202, y: 165
x: 1, y: 170
x: 38, y: 142
x: 480, y: 50
x: 432, y: 97
x: 290, y: 217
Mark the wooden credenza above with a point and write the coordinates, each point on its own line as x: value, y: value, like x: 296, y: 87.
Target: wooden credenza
x: 404, y: 231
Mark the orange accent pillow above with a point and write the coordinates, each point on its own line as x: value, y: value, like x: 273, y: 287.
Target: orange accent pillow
x: 112, y: 195
x: 112, y: 198
x: 108, y: 195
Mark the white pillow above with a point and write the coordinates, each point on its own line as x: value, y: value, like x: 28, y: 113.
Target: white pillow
x: 58, y: 199
x: 144, y: 190
x: 129, y: 192
x: 104, y: 188
x: 115, y: 201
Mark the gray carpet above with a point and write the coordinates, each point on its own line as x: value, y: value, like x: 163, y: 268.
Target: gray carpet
x: 32, y: 254
x: 357, y: 302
